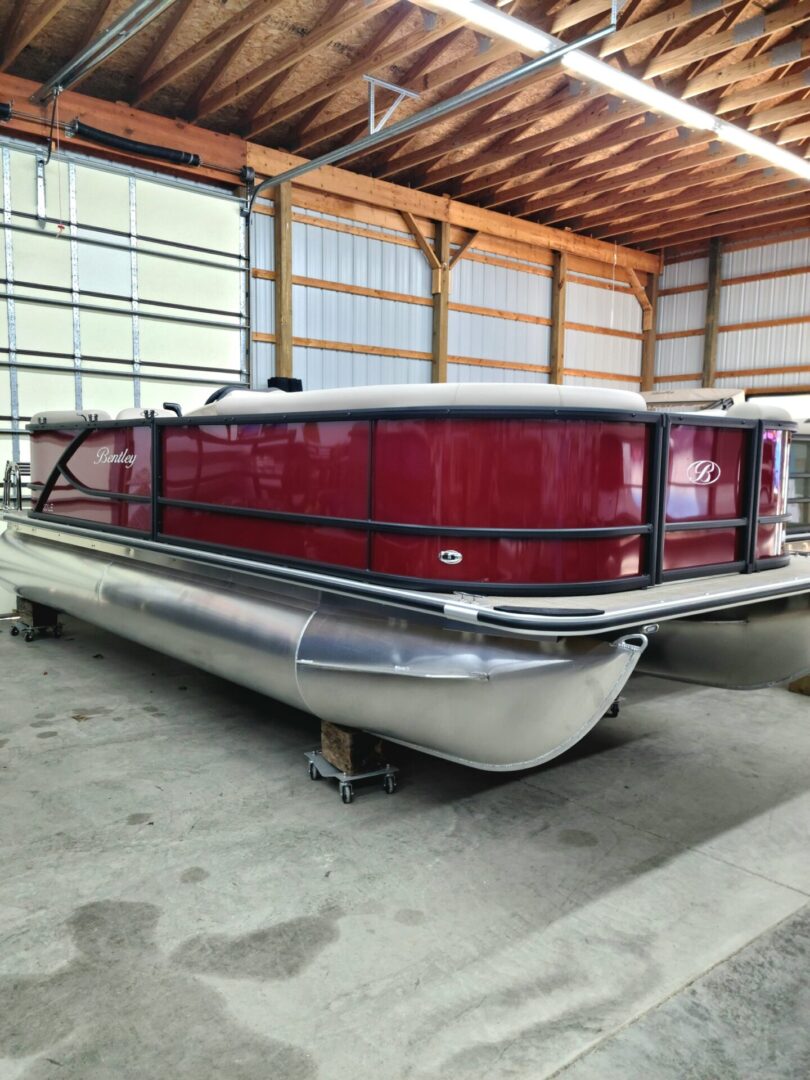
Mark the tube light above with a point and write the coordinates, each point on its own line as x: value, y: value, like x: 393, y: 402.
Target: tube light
x: 531, y: 40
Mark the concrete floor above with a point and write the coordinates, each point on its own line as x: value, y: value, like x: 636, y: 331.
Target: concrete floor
x: 178, y: 900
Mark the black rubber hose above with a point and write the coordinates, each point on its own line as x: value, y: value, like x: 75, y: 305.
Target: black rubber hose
x: 118, y: 142
x: 5, y: 110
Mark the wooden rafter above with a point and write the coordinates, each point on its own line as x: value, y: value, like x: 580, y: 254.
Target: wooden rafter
x: 347, y: 17
x: 389, y: 54
x: 211, y: 43
x: 741, y: 99
x: 215, y: 72
x: 484, y: 127
x: 760, y: 187
x: 24, y: 30
x: 663, y: 22
x: 94, y: 24
x: 790, y: 110
x: 416, y: 83
x: 643, y: 150
x: 791, y: 15
x: 792, y: 48
x: 356, y: 116
x: 578, y: 12
x: 163, y: 41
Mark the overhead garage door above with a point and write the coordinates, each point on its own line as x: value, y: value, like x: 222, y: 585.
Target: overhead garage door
x: 119, y: 289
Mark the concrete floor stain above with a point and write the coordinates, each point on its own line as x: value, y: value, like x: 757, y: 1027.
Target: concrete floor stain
x: 115, y: 1009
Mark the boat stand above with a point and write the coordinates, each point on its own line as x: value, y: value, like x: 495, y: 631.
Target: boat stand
x: 35, y: 620
x: 320, y: 768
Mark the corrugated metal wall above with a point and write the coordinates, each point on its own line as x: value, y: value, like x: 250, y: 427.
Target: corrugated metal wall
x: 362, y: 311
x: 764, y: 322
x: 119, y: 288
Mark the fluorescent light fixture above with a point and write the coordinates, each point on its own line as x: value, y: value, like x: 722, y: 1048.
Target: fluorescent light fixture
x: 535, y: 42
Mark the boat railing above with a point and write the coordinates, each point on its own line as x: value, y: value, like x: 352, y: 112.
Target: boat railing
x: 16, y: 476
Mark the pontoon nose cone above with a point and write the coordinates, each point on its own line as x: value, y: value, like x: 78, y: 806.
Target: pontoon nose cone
x: 492, y: 703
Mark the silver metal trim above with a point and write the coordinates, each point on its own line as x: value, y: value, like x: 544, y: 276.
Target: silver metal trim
x: 645, y: 609
x: 74, y: 286
x: 133, y: 280
x: 11, y: 315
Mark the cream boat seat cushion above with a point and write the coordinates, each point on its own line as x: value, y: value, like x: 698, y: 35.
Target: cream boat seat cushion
x: 68, y: 416
x: 139, y: 414
x: 424, y: 395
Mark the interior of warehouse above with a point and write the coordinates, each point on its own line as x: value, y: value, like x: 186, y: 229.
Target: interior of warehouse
x: 349, y: 354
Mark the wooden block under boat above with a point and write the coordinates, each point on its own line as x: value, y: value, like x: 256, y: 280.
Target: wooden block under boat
x: 350, y: 750
x: 801, y: 686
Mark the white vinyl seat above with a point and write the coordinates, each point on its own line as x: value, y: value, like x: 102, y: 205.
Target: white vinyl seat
x: 422, y: 395
x: 139, y: 414
x: 68, y: 416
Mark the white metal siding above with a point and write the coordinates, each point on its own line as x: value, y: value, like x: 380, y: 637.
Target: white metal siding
x: 776, y: 300
x: 129, y: 292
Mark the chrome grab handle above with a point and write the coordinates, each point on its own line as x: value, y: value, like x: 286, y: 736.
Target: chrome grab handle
x: 12, y: 484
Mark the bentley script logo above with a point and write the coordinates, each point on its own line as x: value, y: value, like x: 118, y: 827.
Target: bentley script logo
x: 105, y: 456
x: 703, y: 472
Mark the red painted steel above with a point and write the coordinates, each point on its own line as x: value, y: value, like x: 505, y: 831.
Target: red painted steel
x: 511, y: 473
x: 324, y: 544
x: 511, y: 562
x: 111, y: 459
x: 303, y: 468
x: 499, y: 473
x: 705, y: 482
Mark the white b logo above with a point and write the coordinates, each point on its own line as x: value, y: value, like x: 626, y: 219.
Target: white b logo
x: 703, y: 472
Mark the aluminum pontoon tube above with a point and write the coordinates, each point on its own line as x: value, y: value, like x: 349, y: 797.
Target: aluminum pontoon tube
x: 742, y: 648
x: 490, y: 702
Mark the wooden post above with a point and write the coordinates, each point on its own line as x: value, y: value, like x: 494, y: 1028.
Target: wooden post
x: 441, y: 302
x: 282, y: 262
x: 712, y: 313
x: 557, y: 349
x: 649, y: 329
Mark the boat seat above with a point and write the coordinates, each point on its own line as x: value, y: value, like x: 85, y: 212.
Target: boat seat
x: 140, y: 414
x: 758, y: 410
x: 424, y: 395
x: 68, y: 416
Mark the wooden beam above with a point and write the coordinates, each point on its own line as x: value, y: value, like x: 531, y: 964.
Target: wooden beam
x: 441, y: 302
x: 466, y: 243
x: 643, y: 152
x: 663, y: 22
x: 761, y: 188
x: 94, y: 24
x: 711, y: 45
x: 794, y: 133
x: 391, y: 53
x: 166, y: 35
x: 578, y: 12
x: 348, y: 17
x: 600, y: 115
x: 649, y: 328
x: 728, y: 219
x: 667, y: 169
x: 774, y: 88
x: 433, y: 259
x: 795, y: 47
x: 712, y: 313
x: 341, y: 182
x: 559, y: 281
x: 282, y: 263
x: 26, y: 30
x: 215, y: 73
x: 230, y: 153
x: 790, y: 110
x: 211, y: 43
x: 308, y: 135
x: 484, y: 124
